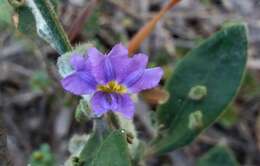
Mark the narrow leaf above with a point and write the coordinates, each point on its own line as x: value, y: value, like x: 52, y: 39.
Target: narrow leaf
x: 26, y: 22
x: 48, y: 25
x: 218, y: 156
x: 40, y: 16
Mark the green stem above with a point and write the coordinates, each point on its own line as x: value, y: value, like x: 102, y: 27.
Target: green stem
x: 101, y: 128
x: 113, y: 120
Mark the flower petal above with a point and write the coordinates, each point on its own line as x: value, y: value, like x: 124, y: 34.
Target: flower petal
x: 79, y: 83
x: 100, y: 103
x: 119, y: 50
x: 96, y: 59
x: 102, y: 68
x: 133, y: 77
x: 103, y: 102
x: 125, y: 106
x: 77, y: 61
x: 148, y: 80
x: 119, y: 60
x: 139, y: 61
x: 109, y: 71
x: 134, y: 69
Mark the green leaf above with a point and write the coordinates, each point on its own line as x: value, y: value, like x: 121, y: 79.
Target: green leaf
x: 26, y: 21
x: 40, y: 16
x: 106, y: 150
x: 217, y: 156
x: 48, y: 25
x: 113, y: 151
x: 204, y: 82
x: 105, y: 147
x: 96, y: 138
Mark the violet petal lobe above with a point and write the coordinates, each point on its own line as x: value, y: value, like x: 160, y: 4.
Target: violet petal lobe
x: 135, y: 69
x: 79, y: 83
x: 119, y: 50
x: 96, y: 59
x: 109, y: 71
x: 138, y: 61
x: 125, y: 106
x: 150, y: 78
x: 120, y: 60
x: 100, y: 103
x: 103, y: 102
x: 102, y: 67
x: 77, y: 61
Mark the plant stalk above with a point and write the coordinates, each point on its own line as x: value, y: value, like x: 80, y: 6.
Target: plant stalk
x: 142, y: 34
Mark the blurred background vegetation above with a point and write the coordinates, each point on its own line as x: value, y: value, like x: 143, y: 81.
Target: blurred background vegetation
x: 39, y: 115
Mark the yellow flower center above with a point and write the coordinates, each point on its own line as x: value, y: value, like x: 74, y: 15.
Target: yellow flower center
x: 112, y: 87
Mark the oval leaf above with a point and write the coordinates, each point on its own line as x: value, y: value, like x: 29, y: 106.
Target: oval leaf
x: 217, y: 156
x: 202, y: 85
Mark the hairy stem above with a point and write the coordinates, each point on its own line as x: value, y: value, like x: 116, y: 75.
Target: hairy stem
x: 113, y: 120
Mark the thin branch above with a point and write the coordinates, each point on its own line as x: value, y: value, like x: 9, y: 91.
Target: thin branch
x: 137, y: 40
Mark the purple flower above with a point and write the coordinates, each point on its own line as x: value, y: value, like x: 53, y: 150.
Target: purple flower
x: 110, y: 79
